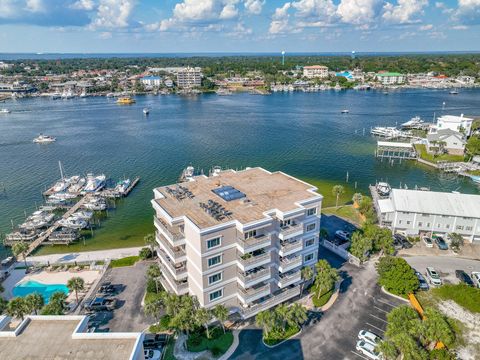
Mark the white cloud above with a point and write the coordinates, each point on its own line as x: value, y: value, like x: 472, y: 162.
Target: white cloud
x: 83, y: 5
x: 254, y: 6
x: 105, y: 35
x: 426, y: 27
x: 35, y: 6
x: 113, y: 13
x: 404, y: 12
x: 228, y: 12
x: 359, y: 12
x: 468, y: 12
x: 459, y: 27
x: 280, y: 17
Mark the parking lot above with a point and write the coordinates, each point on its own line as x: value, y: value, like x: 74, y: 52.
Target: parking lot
x: 129, y: 288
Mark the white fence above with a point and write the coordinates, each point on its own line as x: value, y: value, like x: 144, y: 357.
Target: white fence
x: 340, y: 251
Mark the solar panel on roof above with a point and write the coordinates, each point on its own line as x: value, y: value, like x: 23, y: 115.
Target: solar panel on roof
x: 229, y: 193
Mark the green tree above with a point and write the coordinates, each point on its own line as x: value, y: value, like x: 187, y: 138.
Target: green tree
x: 17, y: 307
x: 34, y: 302
x: 153, y: 306
x: 323, y: 233
x: 76, y: 284
x: 203, y: 317
x: 337, y: 190
x: 221, y: 314
x: 145, y: 253
x: 388, y: 349
x: 325, y: 278
x: 473, y: 145
x: 403, y: 319
x: 283, y: 314
x: 396, y: 276
x: 456, y: 241
x: 297, y: 314
x: 360, y: 245
x: 56, y: 304
x: 357, y: 198
x: 267, y: 320
x: 435, y: 328
x: 382, y: 238
x: 150, y: 241
x: 20, y: 248
x: 3, y: 305
x: 307, y: 275
x: 153, y: 273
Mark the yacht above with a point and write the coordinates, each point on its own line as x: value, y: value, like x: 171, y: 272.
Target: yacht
x: 383, y: 189
x: 345, y: 111
x: 44, y: 139
x: 39, y: 219
x: 73, y: 222
x: 60, y: 186
x: 223, y: 92
x: 94, y: 183
x: 413, y: 123
x: 125, y: 100
x: 22, y: 235
x: 122, y: 186
x: 385, y: 131
x: 85, y: 215
x: 188, y: 174
x: 146, y: 111
x: 62, y: 196
x: 4, y: 111
x: 77, y: 186
x: 454, y: 92
x: 95, y: 204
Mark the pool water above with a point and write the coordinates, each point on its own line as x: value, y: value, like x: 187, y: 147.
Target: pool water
x: 32, y: 286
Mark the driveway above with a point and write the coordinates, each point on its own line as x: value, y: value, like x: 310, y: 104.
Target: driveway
x: 332, y: 223
x: 360, y: 305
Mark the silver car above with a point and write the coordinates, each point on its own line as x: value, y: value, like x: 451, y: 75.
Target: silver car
x: 433, y: 277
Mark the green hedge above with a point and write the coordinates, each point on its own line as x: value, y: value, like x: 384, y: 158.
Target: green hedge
x: 275, y: 337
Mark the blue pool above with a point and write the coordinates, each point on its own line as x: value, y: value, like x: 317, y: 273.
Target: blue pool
x: 31, y: 286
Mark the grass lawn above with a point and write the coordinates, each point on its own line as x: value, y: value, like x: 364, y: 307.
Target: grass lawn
x: 275, y: 337
x: 465, y: 296
x: 422, y: 151
x: 126, y: 261
x: 325, y: 188
x: 322, y: 300
x: 474, y: 172
x: 347, y: 212
x: 218, y: 343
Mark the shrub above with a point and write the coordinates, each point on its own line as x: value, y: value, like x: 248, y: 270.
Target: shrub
x: 145, y: 253
x: 396, y: 276
x: 152, y: 286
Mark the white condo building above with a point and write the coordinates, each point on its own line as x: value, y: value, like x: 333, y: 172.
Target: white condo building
x: 238, y: 238
x: 315, y: 71
x: 189, y: 77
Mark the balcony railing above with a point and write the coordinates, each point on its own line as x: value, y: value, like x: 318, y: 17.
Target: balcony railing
x: 291, y: 229
x: 288, y: 263
x: 177, y: 269
x: 253, y: 275
x: 291, y: 246
x: 289, y: 278
x: 252, y: 292
x: 177, y: 287
x: 271, y: 301
x: 254, y: 242
x: 174, y: 252
x: 252, y: 260
x: 173, y: 232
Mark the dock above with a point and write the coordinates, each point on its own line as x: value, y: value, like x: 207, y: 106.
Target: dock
x: 395, y: 150
x: 111, y: 193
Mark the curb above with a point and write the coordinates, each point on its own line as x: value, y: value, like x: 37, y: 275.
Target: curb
x: 281, y: 342
x: 333, y: 298
x: 232, y: 347
x: 393, y: 295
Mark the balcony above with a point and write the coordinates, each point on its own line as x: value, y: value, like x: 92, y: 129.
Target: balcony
x: 254, y: 243
x: 178, y: 271
x: 253, y: 277
x: 273, y: 300
x: 254, y: 293
x: 173, y: 233
x: 289, y: 278
x: 289, y: 263
x: 253, y: 261
x: 287, y: 248
x: 173, y: 286
x: 176, y: 253
x: 289, y: 231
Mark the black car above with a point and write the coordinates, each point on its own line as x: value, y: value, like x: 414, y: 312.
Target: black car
x: 463, y: 277
x: 154, y: 341
x: 400, y: 239
x: 442, y: 245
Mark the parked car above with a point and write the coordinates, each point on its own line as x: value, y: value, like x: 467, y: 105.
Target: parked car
x: 463, y: 277
x: 152, y: 354
x: 442, y: 245
x: 428, y: 242
x: 476, y: 278
x: 368, y: 350
x: 343, y: 235
x: 401, y: 239
x: 369, y: 337
x: 433, y: 277
x: 154, y: 340
x: 100, y: 304
x: 423, y: 283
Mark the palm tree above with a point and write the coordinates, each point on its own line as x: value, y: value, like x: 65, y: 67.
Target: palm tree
x: 388, y: 350
x: 221, y: 314
x: 34, y: 302
x: 282, y: 311
x: 152, y: 307
x: 436, y: 328
x: 56, y: 304
x: 337, y: 190
x: 357, y: 197
x: 297, y: 315
x: 3, y: 305
x: 307, y: 275
x: 203, y: 317
x: 154, y: 272
x: 76, y: 284
x: 20, y: 248
x: 16, y: 307
x: 150, y: 241
x: 266, y: 320
x: 325, y: 278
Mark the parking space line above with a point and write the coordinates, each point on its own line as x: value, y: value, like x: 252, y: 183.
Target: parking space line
x: 376, y: 307
x: 386, y: 303
x: 376, y: 317
x: 362, y: 356
x: 376, y: 327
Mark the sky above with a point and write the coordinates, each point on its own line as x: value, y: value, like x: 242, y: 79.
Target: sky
x: 176, y: 26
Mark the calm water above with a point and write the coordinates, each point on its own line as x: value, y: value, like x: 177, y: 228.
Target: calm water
x: 32, y: 286
x: 302, y: 134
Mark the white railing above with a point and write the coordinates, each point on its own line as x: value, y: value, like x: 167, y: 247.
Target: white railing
x: 254, y: 259
x: 255, y: 241
x: 169, y: 230
x: 254, y: 275
x: 286, y: 247
x: 290, y: 229
x: 175, y: 252
x: 272, y: 301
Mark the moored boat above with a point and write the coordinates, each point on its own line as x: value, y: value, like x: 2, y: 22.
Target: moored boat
x: 44, y: 139
x: 125, y: 100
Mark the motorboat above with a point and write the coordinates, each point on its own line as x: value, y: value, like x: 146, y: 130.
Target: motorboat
x: 85, y: 215
x: 94, y: 183
x: 345, y: 111
x: 73, y: 222
x: 383, y: 189
x: 389, y: 132
x: 68, y: 94
x: 475, y: 178
x: 125, y: 100
x: 44, y: 139
x: 83, y: 94
x: 60, y: 186
x: 39, y: 219
x: 62, y: 196
x: 22, y: 235
x: 454, y: 92
x: 122, y: 186
x: 95, y: 204
x: 77, y: 186
x: 146, y: 111
x: 4, y: 111
x: 216, y: 170
x: 413, y: 123
x: 188, y: 174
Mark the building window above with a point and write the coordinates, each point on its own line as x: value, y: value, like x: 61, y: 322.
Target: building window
x: 213, y: 243
x: 399, y: 221
x: 212, y: 279
x: 309, y: 242
x: 447, y: 226
x: 214, y: 261
x: 439, y: 226
x: 308, y: 257
x: 408, y: 222
x: 469, y: 228
x: 428, y: 224
x: 284, y: 223
x: 311, y: 227
x: 250, y: 234
x: 459, y: 227
x: 217, y: 294
x: 420, y: 224
x: 311, y: 211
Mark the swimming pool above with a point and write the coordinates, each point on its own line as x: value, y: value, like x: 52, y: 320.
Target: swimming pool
x: 31, y: 286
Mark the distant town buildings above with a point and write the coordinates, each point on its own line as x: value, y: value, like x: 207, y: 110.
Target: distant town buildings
x: 151, y: 81
x: 189, y: 77
x: 390, y: 78
x: 315, y: 71
x: 5, y: 66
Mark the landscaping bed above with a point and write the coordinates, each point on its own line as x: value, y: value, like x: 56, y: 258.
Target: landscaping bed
x: 126, y: 261
x: 276, y: 337
x: 218, y: 343
x: 322, y: 300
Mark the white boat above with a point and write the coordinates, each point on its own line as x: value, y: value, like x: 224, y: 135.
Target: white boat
x: 216, y: 170
x: 4, y: 111
x: 94, y: 183
x: 413, y: 123
x: 44, y: 139
x: 146, y: 111
x: 62, y: 196
x: 475, y: 178
x: 55, y: 96
x: 68, y: 94
x: 84, y: 94
x: 60, y: 186
x: 383, y: 188
x: 122, y: 186
x: 223, y: 92
x: 389, y: 132
x: 454, y: 92
x: 73, y: 222
x: 77, y: 186
x: 85, y: 215
x: 188, y: 174
x: 95, y: 204
x: 345, y: 111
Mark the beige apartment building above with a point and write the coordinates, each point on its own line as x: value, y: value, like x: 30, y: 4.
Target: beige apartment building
x: 189, y: 77
x: 237, y: 238
x: 315, y: 71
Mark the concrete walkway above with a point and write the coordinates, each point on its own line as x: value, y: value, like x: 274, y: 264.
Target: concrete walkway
x: 85, y: 256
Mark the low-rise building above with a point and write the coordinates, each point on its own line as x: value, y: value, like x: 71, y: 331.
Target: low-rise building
x: 315, y: 71
x: 450, y: 141
x: 390, y: 78
x: 237, y: 238
x: 416, y: 212
x: 151, y: 81
x: 65, y: 337
x: 460, y: 123
x: 189, y: 77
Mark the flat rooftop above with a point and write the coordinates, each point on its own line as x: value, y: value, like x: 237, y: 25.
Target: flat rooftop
x: 264, y: 191
x: 52, y: 339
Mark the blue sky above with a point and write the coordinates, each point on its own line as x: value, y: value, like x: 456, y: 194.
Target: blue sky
x: 238, y: 25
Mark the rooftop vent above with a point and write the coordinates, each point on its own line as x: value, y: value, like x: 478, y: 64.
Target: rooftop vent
x: 229, y: 193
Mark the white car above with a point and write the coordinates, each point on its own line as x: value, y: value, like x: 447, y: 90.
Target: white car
x: 369, y: 337
x: 476, y: 278
x: 433, y: 277
x: 368, y: 350
x: 152, y: 354
x: 428, y: 242
x: 342, y: 235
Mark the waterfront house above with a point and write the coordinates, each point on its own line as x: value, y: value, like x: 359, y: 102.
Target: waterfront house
x: 151, y: 81
x: 450, y: 141
x: 390, y: 78
x: 460, y: 123
x: 415, y: 212
x: 237, y: 238
x: 315, y: 71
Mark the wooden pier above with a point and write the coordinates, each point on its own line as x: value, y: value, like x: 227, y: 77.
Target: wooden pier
x: 111, y: 193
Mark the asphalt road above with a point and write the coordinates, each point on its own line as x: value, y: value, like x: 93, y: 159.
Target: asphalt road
x: 333, y: 334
